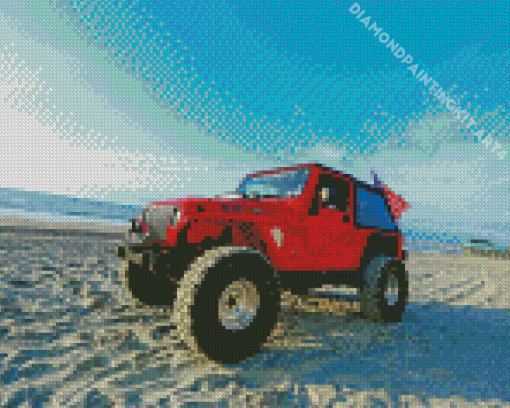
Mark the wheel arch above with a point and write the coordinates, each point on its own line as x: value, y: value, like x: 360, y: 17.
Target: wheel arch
x: 380, y: 244
x: 240, y: 234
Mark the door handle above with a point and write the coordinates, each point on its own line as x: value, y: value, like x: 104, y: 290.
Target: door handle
x: 346, y: 218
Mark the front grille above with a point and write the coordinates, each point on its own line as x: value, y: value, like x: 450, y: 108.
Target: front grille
x: 158, y: 218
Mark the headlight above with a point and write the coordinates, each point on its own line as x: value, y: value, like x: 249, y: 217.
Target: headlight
x: 158, y: 217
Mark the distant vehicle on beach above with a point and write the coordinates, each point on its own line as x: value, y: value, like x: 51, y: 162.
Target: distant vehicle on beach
x: 485, y: 247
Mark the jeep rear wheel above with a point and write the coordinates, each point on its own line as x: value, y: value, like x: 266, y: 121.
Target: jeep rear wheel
x: 385, y: 290
x: 227, y: 304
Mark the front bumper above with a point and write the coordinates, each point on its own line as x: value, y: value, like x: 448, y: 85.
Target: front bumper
x: 136, y: 242
x: 136, y: 249
x: 136, y: 246
x: 141, y: 249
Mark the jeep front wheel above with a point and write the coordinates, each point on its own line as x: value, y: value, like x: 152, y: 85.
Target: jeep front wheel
x: 385, y: 290
x: 227, y: 304
x: 147, y: 286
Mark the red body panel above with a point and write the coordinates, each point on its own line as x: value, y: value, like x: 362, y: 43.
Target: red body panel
x: 281, y: 229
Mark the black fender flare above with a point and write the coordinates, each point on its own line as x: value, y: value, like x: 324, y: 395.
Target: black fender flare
x: 378, y: 244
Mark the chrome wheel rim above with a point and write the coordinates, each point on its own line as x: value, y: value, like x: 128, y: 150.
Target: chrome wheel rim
x: 391, y: 290
x: 238, y: 305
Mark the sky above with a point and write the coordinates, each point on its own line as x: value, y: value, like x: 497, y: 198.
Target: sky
x: 135, y: 101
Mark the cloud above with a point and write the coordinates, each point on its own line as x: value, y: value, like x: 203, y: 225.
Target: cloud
x: 84, y: 147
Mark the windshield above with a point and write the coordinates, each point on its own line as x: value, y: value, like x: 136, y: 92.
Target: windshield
x: 287, y: 184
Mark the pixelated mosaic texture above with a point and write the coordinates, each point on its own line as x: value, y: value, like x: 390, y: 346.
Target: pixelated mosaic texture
x: 122, y: 101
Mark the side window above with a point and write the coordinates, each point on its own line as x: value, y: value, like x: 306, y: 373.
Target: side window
x: 334, y: 194
x: 371, y: 210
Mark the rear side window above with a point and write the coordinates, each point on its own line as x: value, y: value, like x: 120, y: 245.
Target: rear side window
x: 372, y: 211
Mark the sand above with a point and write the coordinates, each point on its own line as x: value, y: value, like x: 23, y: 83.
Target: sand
x: 62, y: 296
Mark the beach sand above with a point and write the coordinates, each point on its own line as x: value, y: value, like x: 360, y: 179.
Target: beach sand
x: 23, y: 225
x: 62, y: 294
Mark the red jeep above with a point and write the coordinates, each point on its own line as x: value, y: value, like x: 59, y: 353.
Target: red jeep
x: 221, y: 263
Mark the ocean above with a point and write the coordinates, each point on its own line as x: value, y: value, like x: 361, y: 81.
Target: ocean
x: 43, y: 206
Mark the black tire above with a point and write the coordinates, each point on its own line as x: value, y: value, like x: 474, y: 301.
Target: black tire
x: 299, y: 290
x: 158, y: 287
x: 202, y: 315
x: 375, y: 306
x: 149, y: 287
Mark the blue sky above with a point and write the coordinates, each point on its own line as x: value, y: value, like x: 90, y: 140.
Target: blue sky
x: 134, y: 101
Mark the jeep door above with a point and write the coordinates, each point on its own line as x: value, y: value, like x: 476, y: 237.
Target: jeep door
x: 332, y: 237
